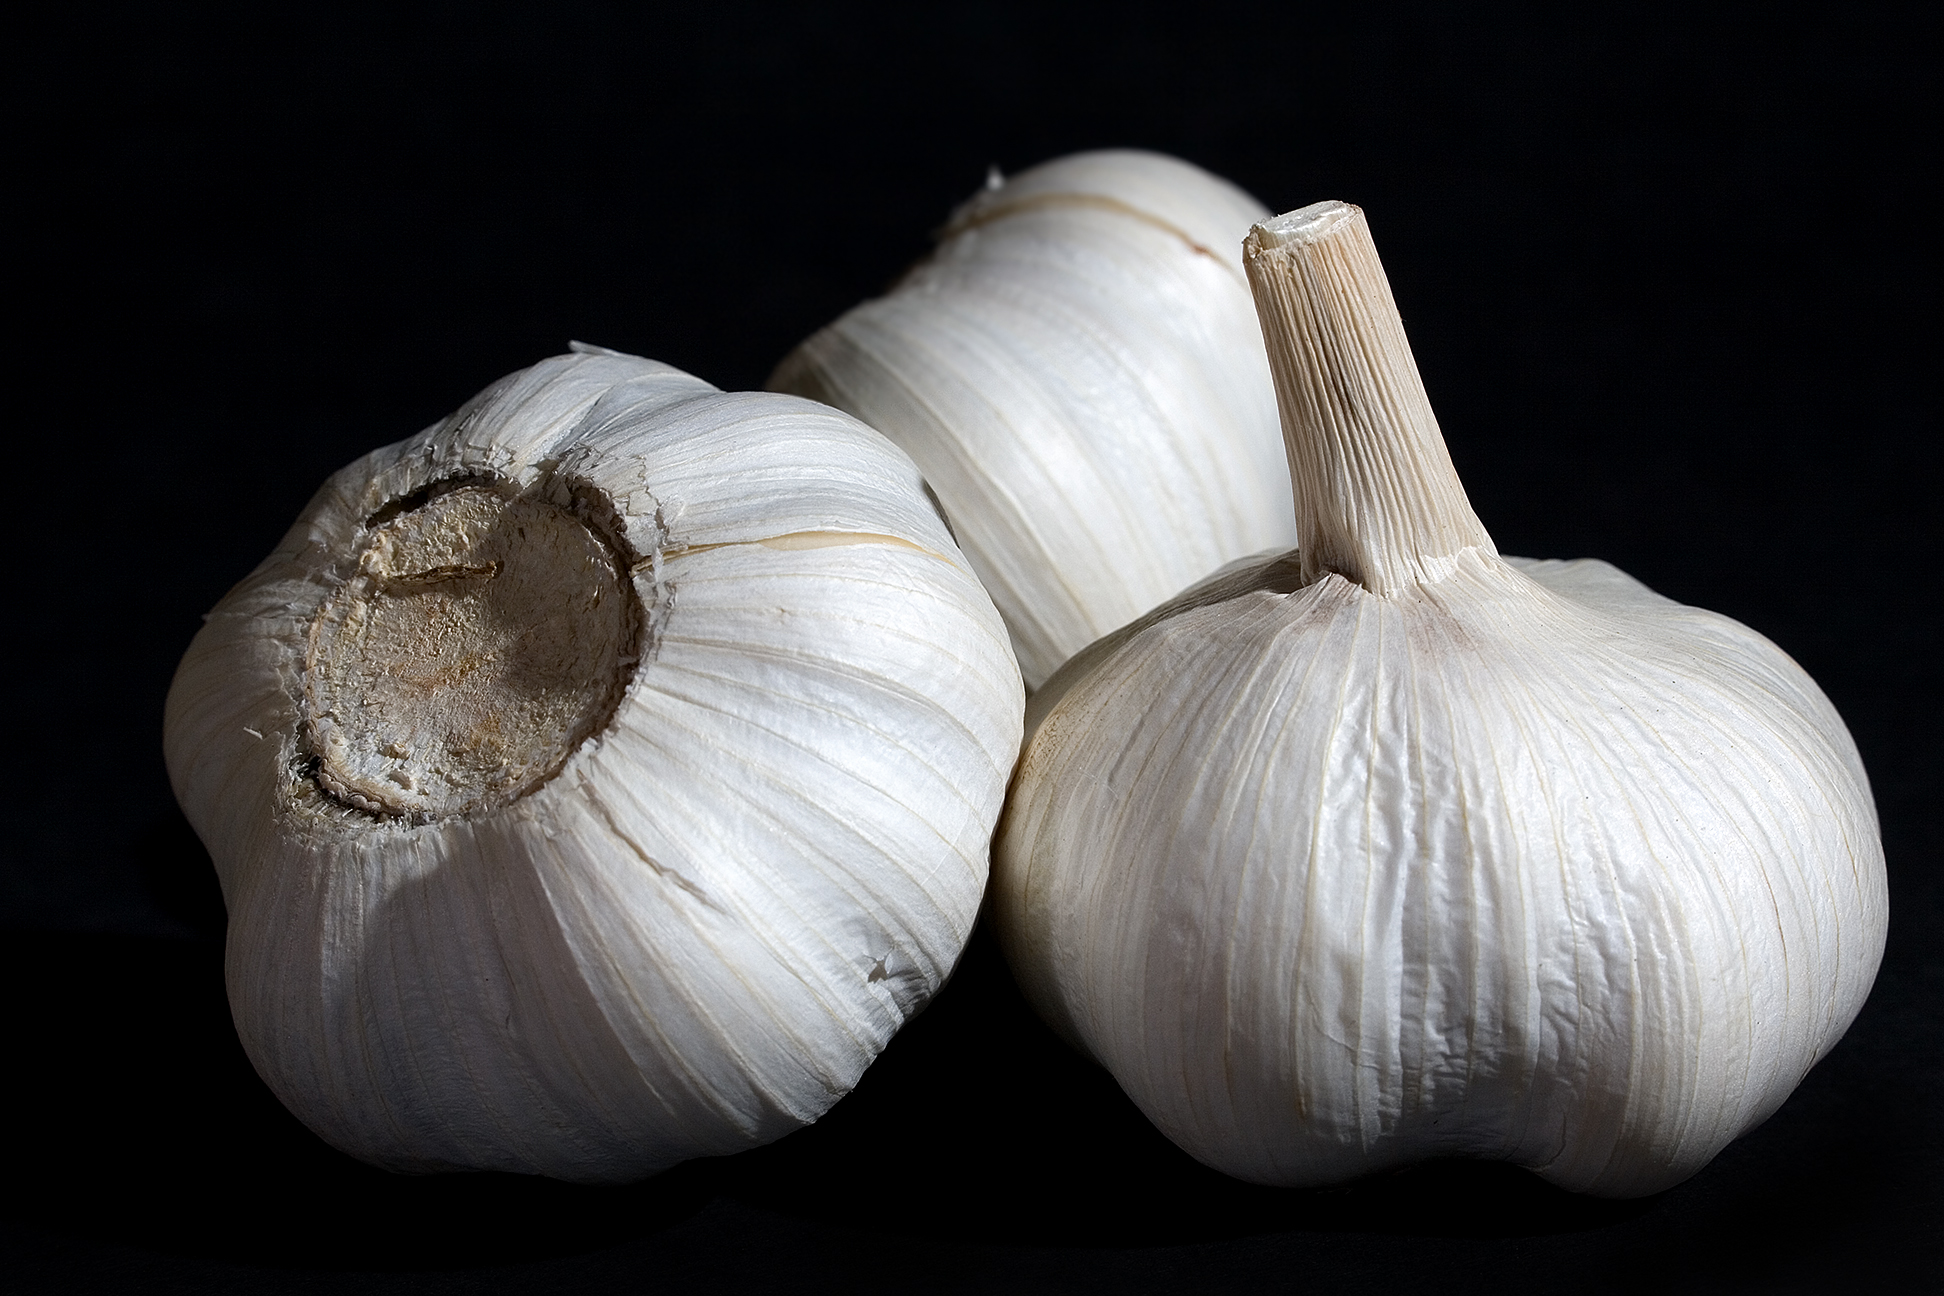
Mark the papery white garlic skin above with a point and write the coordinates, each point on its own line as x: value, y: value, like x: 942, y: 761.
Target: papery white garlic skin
x: 1078, y: 374
x: 695, y: 933
x: 1504, y: 859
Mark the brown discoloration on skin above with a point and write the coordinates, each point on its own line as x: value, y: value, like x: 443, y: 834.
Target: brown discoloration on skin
x: 485, y: 636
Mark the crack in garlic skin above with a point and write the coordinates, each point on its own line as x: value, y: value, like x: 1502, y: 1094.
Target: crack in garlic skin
x: 975, y: 214
x: 795, y: 540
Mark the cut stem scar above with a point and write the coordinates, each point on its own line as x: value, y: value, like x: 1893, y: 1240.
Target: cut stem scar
x: 484, y: 638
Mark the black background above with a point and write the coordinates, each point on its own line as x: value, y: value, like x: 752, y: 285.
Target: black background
x: 1669, y: 276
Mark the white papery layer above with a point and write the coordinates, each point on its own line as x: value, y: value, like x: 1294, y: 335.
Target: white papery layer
x: 702, y: 930
x: 1078, y: 372
x: 1536, y: 867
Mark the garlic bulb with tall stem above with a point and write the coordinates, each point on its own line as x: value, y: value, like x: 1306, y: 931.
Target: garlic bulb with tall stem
x: 1075, y: 371
x: 597, y: 779
x: 1391, y: 848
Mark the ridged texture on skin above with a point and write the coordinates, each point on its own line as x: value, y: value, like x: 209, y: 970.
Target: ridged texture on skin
x: 699, y: 933
x: 1394, y: 849
x: 1538, y: 867
x: 1078, y: 373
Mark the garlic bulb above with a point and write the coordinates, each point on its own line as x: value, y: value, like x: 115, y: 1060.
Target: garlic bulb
x: 597, y: 779
x: 1077, y: 373
x: 1391, y: 848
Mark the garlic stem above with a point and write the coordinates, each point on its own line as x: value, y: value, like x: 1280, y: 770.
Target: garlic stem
x: 1377, y: 500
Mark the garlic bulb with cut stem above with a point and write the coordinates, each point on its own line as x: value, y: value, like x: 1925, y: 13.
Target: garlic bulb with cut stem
x: 597, y: 779
x: 1076, y: 371
x: 1390, y: 848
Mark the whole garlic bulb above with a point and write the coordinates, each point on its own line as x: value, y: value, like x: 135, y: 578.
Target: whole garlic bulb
x: 597, y: 779
x: 1076, y: 371
x: 1391, y: 848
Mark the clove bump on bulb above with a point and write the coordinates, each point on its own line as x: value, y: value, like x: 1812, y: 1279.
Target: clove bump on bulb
x: 1388, y: 847
x: 597, y: 779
